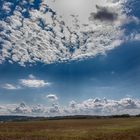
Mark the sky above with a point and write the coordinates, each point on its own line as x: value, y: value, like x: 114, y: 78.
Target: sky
x: 78, y: 57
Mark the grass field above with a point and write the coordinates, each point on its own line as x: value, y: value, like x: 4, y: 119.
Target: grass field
x: 80, y: 129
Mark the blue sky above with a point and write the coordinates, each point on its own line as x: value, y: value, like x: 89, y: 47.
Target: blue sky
x: 97, y: 57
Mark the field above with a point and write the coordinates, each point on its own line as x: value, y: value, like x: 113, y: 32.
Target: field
x: 76, y: 129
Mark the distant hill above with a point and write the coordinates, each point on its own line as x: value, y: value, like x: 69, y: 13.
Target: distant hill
x: 18, y: 118
x: 88, y: 117
x: 31, y: 118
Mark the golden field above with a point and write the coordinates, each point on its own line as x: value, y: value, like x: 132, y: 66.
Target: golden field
x: 72, y: 129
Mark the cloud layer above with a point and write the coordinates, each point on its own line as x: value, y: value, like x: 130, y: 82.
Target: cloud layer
x: 31, y: 32
x: 88, y: 107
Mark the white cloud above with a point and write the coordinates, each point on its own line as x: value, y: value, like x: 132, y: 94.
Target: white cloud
x: 52, y: 97
x: 55, y: 109
x: 33, y: 83
x: 10, y: 87
x: 48, y: 37
x: 39, y: 109
x: 88, y: 107
x: 22, y: 108
x: 7, y: 7
x: 30, y: 82
x: 31, y: 76
x: 106, y: 107
x: 134, y: 36
x: 137, y: 37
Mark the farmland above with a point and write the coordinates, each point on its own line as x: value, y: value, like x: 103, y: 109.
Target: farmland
x: 72, y: 129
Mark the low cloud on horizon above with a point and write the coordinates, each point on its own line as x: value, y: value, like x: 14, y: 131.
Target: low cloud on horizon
x: 91, y: 106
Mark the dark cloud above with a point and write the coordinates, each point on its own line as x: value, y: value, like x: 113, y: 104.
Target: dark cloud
x: 103, y: 14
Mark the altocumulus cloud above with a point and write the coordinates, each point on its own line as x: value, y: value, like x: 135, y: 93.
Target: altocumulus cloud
x: 91, y: 107
x: 32, y: 33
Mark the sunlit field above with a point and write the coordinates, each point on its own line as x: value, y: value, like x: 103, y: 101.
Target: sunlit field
x: 73, y: 129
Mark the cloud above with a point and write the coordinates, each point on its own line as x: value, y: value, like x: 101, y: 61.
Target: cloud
x: 33, y: 83
x: 7, y: 7
x: 52, y: 97
x: 91, y: 106
x: 73, y: 104
x: 22, y: 108
x: 134, y: 37
x: 55, y: 109
x: 106, y: 107
x: 47, y: 32
x: 10, y: 87
x: 103, y: 14
x: 31, y: 76
x: 30, y: 82
x: 39, y: 109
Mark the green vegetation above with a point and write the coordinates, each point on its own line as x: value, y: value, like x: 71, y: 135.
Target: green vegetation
x: 73, y: 129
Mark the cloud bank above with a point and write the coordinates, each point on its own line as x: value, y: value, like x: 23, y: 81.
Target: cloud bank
x: 33, y: 32
x: 88, y: 107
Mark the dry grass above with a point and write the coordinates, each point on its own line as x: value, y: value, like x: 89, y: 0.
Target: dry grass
x: 86, y: 129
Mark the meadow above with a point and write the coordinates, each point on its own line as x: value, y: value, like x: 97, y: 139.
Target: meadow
x: 72, y: 129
